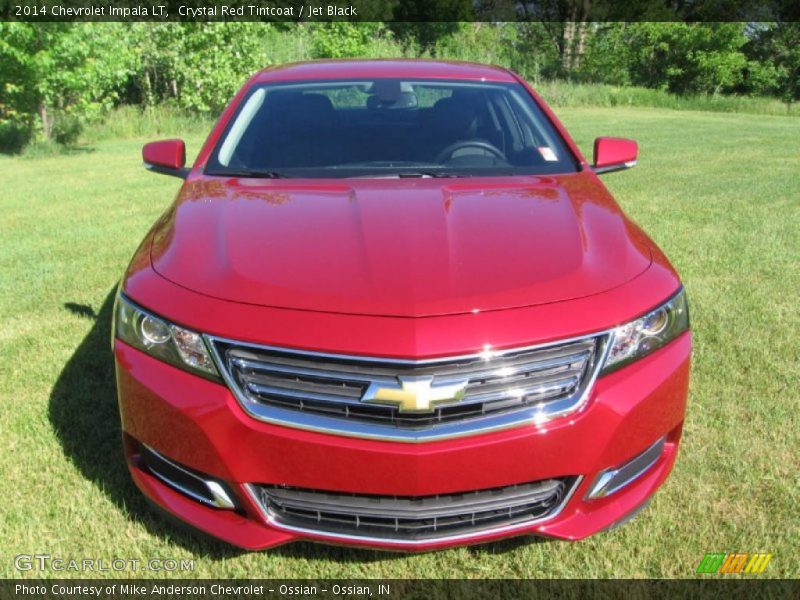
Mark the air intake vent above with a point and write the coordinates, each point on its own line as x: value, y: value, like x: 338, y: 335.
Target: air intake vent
x: 412, y: 518
x: 187, y: 481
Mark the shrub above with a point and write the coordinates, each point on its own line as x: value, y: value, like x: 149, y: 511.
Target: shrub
x: 14, y: 136
x: 66, y: 129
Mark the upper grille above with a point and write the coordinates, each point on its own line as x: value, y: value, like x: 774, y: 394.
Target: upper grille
x: 275, y: 384
x: 412, y: 518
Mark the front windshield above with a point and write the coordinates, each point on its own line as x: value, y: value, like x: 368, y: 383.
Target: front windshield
x: 389, y: 128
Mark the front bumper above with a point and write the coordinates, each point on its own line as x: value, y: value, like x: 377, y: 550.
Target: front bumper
x: 199, y: 424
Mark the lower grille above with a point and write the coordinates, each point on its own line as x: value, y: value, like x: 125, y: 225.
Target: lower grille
x: 412, y: 518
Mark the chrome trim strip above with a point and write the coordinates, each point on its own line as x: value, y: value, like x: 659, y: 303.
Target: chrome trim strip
x: 272, y: 522
x: 221, y: 499
x: 542, y: 365
x: 536, y: 389
x: 614, y: 167
x: 287, y: 392
x: 404, y: 361
x: 605, y: 486
x: 378, y: 381
x: 535, y: 415
x: 341, y: 376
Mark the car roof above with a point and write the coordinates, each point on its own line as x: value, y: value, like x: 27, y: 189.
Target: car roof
x: 393, y: 68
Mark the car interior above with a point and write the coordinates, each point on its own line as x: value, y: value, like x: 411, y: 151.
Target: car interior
x: 389, y: 123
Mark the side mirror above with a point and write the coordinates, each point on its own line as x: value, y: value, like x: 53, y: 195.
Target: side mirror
x: 167, y: 157
x: 614, y: 154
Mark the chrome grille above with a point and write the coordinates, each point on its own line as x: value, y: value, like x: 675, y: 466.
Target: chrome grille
x: 412, y: 518
x: 295, y: 388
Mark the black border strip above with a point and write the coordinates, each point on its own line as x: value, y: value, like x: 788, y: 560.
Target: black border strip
x: 419, y: 11
x: 396, y: 589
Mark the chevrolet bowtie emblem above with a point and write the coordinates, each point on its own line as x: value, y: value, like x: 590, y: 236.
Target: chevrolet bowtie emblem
x: 415, y: 394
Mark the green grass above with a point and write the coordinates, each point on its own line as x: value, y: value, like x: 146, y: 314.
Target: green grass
x: 720, y: 193
x: 569, y: 94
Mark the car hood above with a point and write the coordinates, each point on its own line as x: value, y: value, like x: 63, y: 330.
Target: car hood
x: 399, y: 247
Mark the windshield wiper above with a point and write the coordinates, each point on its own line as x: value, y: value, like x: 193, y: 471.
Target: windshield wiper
x: 249, y: 173
x: 429, y: 174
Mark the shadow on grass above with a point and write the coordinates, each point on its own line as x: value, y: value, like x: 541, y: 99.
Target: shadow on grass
x: 82, y: 310
x: 84, y: 414
x: 48, y: 149
x: 507, y: 545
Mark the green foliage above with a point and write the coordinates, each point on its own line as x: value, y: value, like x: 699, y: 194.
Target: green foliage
x: 18, y: 71
x: 425, y: 22
x: 763, y: 78
x: 686, y: 58
x: 159, y: 59
x: 14, y: 135
x: 56, y: 78
x: 165, y: 120
x: 66, y: 129
x: 341, y: 39
x: 479, y: 42
x: 608, y: 55
x: 537, y: 54
x: 775, y: 68
x: 562, y: 93
x: 228, y: 54
x: 198, y: 65
x: 56, y: 69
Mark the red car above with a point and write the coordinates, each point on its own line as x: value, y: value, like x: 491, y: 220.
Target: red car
x: 394, y: 306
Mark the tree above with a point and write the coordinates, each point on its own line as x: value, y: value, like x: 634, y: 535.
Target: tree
x: 566, y: 24
x: 774, y: 68
x: 52, y: 70
x: 424, y: 22
x: 342, y: 39
x: 606, y: 58
x: 216, y: 59
x: 687, y: 58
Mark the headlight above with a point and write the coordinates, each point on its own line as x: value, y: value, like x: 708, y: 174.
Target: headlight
x: 638, y: 338
x: 162, y: 339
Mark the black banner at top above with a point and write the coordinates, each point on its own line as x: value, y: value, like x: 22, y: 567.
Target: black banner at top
x: 399, y: 10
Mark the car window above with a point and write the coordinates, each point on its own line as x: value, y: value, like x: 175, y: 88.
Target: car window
x: 389, y: 127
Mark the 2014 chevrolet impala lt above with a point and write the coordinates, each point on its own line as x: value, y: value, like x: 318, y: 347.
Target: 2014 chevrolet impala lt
x: 394, y: 306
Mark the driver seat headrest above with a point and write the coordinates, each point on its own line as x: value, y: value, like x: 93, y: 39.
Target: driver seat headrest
x: 455, y: 118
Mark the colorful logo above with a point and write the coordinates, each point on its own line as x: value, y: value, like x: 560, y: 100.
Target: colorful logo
x: 738, y: 562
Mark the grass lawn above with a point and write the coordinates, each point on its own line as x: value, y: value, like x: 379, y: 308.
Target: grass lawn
x: 719, y: 192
